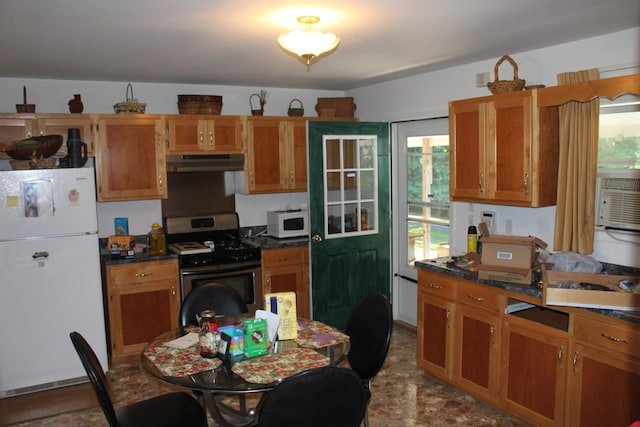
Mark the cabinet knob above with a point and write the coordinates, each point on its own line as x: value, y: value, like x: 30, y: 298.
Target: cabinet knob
x: 526, y: 184
x: 200, y: 139
x: 480, y: 181
x: 316, y: 238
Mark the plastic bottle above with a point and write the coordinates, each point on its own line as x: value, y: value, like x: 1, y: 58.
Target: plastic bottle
x: 472, y: 239
x: 157, y: 244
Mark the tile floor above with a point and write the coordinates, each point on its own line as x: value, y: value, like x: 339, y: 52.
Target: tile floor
x: 402, y: 395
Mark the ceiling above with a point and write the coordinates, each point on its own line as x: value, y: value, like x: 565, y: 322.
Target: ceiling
x: 233, y: 42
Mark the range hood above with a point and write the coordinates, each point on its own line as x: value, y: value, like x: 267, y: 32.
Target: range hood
x: 205, y: 162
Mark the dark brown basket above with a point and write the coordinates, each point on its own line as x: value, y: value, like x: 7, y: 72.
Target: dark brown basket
x: 295, y: 112
x: 503, y: 86
x: 199, y: 104
x: 336, y: 107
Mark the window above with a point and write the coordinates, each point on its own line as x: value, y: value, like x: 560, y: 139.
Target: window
x: 619, y: 134
x: 421, y: 187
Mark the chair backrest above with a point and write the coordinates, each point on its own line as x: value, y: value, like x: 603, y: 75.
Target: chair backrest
x: 369, y: 329
x: 96, y: 375
x: 328, y: 396
x: 219, y: 297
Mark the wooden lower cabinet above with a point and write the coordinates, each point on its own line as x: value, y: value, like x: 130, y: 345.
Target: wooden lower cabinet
x: 534, y: 367
x: 287, y: 270
x: 144, y: 301
x: 604, y: 374
x: 476, y: 356
x: 557, y: 366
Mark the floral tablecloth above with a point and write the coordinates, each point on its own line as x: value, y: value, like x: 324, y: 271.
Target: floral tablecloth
x: 274, y: 367
x: 175, y: 362
x: 314, y: 334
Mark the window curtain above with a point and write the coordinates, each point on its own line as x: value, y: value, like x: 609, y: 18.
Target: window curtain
x: 577, y: 170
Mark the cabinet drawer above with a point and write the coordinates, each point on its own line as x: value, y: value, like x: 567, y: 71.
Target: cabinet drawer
x: 436, y: 284
x: 477, y: 296
x: 142, y: 272
x: 285, y: 256
x: 603, y: 335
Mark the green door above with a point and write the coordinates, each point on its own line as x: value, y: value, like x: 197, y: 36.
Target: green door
x: 349, y: 216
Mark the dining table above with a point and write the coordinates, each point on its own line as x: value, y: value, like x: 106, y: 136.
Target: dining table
x: 174, y: 357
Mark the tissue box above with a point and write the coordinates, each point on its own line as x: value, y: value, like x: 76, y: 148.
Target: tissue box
x: 231, y: 341
x: 284, y: 305
x: 255, y: 337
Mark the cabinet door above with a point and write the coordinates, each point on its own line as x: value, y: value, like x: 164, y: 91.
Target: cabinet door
x: 468, y: 174
x: 297, y: 138
x: 60, y: 125
x: 266, y: 161
x: 197, y: 134
x: 534, y: 373
x: 435, y: 334
x: 144, y: 301
x: 16, y: 128
x: 130, y: 160
x: 287, y: 270
x: 476, y: 355
x: 509, y: 148
x: 604, y: 388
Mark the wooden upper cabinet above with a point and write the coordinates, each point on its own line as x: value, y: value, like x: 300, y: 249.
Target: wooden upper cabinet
x: 130, y: 158
x: 14, y: 127
x: 60, y: 125
x: 276, y: 155
x: 194, y: 135
x: 504, y: 150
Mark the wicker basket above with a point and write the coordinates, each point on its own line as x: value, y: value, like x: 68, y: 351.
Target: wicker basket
x: 49, y: 163
x: 131, y: 105
x: 199, y: 104
x: 295, y: 112
x: 503, y: 86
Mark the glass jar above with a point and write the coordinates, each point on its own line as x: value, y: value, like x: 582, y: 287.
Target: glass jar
x: 208, y: 334
x: 157, y: 244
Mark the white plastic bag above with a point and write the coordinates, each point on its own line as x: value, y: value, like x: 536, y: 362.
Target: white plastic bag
x: 574, y: 262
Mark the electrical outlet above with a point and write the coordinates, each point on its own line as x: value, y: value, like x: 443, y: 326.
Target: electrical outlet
x: 482, y: 79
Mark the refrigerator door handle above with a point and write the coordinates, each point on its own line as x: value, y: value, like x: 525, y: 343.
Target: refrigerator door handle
x: 43, y: 254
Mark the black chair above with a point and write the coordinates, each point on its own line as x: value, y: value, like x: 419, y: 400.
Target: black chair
x: 369, y: 329
x: 320, y: 397
x: 219, y: 297
x: 176, y: 409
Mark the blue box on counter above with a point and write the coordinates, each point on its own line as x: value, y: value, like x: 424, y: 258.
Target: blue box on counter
x: 121, y: 226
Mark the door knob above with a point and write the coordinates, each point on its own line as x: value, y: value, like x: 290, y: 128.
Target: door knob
x: 316, y: 238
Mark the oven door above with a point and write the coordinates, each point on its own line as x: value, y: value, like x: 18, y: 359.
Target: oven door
x: 245, y: 278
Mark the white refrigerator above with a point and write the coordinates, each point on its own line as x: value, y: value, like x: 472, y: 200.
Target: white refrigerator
x: 50, y: 278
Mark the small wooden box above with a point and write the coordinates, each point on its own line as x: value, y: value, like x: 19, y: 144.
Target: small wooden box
x: 616, y: 299
x: 336, y: 107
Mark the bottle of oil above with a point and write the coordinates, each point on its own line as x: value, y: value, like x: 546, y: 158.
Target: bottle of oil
x: 157, y: 245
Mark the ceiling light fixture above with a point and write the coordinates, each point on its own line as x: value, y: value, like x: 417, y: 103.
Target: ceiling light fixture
x: 308, y: 44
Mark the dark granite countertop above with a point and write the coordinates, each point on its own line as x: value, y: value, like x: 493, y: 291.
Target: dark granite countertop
x: 268, y: 242
x: 439, y: 266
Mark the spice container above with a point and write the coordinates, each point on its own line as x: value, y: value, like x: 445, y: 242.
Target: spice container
x: 157, y: 243
x: 208, y: 334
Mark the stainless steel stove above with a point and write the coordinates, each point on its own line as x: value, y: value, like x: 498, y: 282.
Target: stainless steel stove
x: 210, y: 250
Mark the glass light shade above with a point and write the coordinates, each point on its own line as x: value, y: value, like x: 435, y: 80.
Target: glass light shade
x: 309, y: 43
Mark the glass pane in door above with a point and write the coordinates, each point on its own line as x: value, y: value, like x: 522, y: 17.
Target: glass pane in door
x: 350, y: 185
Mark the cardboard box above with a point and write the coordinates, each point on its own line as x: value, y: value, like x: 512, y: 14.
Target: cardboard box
x: 523, y: 276
x: 614, y: 299
x: 231, y: 340
x: 509, y: 251
x: 120, y: 243
x: 255, y: 337
x: 284, y: 305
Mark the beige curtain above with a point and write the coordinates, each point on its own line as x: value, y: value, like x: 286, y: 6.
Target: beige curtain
x: 577, y: 170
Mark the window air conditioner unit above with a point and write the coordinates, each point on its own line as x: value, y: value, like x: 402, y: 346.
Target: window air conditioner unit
x: 618, y: 199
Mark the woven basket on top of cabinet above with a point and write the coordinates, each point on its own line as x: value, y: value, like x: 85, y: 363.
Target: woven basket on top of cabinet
x: 503, y: 86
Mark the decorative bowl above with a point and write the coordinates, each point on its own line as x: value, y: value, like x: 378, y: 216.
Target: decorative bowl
x: 37, y: 147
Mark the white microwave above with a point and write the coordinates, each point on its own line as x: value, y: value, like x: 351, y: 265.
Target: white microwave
x: 289, y: 223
